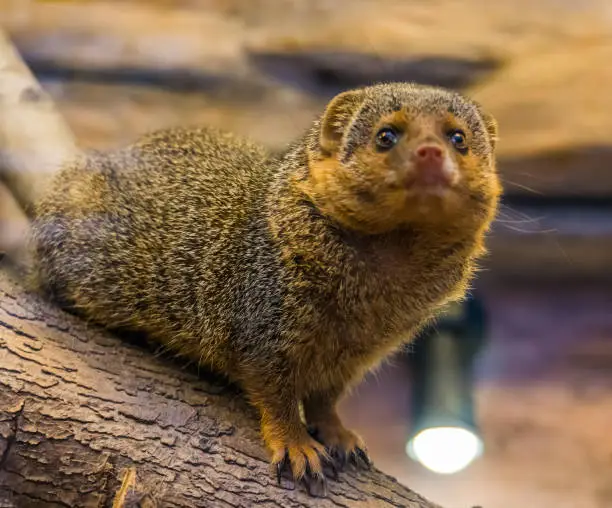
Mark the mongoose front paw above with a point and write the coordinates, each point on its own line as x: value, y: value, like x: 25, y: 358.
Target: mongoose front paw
x: 303, y: 459
x: 343, y: 445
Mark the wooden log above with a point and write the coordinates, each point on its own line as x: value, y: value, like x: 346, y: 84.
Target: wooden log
x: 83, y: 412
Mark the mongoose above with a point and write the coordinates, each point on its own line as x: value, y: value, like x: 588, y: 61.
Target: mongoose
x: 293, y: 274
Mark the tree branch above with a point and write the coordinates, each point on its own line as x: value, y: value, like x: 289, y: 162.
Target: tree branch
x: 82, y: 410
x: 34, y: 139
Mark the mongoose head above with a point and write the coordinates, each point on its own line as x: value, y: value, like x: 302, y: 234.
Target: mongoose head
x: 395, y: 155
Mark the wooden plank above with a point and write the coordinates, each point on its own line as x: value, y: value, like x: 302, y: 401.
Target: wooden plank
x: 556, y: 242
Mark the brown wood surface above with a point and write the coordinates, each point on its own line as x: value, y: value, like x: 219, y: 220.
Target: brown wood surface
x: 543, y: 76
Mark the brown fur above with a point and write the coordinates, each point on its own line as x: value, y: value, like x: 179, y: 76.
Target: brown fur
x: 293, y: 275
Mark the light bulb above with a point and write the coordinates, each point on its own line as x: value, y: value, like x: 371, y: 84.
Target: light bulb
x: 445, y: 450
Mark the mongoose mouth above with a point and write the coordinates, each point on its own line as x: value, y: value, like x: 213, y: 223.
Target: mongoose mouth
x: 439, y: 191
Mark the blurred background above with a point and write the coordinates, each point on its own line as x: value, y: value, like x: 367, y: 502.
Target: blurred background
x: 542, y: 380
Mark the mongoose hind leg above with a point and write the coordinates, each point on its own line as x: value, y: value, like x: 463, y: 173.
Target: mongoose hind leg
x: 292, y: 448
x: 342, y: 444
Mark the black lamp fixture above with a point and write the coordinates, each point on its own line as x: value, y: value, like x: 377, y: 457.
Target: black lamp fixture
x: 444, y: 436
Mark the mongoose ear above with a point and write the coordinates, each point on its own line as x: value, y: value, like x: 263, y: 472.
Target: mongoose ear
x: 337, y: 115
x: 491, y: 124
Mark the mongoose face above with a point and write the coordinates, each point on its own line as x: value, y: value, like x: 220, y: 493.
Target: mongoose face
x: 394, y: 155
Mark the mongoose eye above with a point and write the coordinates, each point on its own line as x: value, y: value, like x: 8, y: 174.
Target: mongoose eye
x: 386, y: 138
x: 457, y: 138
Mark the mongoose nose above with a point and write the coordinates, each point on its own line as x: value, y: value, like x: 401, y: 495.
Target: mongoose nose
x: 429, y: 167
x: 430, y: 153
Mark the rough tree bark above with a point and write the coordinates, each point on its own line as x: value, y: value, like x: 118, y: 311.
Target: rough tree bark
x: 80, y: 408
x: 88, y: 419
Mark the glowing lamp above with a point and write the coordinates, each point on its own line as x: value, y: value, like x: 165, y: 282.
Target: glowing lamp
x: 445, y: 437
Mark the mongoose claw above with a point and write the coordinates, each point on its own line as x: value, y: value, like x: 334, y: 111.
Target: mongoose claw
x: 360, y: 458
x: 303, y: 463
x: 315, y: 484
x: 340, y: 457
x: 280, y: 466
x: 343, y: 446
x: 333, y: 468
